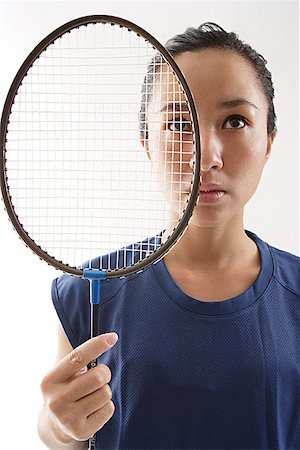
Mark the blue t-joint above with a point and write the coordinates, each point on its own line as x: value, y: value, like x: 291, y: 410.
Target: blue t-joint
x: 94, y: 276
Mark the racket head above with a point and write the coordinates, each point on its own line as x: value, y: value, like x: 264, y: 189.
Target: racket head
x: 9, y: 115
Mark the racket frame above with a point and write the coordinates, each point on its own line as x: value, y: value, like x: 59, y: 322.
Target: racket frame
x: 13, y: 91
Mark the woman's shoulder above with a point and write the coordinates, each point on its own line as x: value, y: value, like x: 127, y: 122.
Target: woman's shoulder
x: 286, y: 268
x: 285, y: 265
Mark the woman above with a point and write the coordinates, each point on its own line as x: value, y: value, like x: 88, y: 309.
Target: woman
x: 207, y: 353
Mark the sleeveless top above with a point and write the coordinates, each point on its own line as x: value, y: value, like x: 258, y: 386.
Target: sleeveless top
x: 188, y: 374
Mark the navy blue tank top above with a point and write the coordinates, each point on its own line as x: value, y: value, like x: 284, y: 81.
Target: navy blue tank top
x: 188, y: 374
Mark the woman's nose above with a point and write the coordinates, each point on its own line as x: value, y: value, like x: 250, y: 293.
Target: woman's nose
x: 211, y: 153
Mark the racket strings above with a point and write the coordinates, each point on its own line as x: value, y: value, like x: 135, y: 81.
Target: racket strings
x: 99, y: 151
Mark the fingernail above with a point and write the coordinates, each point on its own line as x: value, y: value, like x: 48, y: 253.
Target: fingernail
x: 111, y: 338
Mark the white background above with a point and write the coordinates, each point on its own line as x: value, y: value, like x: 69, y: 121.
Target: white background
x: 28, y: 320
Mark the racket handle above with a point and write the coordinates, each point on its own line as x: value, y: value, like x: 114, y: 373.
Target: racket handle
x: 92, y: 443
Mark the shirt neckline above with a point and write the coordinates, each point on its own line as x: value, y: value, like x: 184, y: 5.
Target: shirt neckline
x: 251, y: 295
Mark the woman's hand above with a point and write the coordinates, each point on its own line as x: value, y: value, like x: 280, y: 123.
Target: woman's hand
x: 79, y: 400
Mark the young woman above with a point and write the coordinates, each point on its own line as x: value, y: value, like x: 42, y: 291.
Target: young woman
x: 207, y: 355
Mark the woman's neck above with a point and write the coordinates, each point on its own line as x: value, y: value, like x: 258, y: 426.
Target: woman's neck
x: 213, y: 248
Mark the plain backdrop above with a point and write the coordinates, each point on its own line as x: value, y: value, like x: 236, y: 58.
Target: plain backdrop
x: 28, y: 321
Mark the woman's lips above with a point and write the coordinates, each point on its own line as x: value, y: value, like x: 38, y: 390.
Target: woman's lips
x: 214, y: 196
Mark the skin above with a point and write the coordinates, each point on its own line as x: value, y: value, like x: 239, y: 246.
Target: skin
x: 215, y: 259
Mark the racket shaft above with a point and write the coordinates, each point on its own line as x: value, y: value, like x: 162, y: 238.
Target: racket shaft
x: 94, y: 330
x: 94, y: 333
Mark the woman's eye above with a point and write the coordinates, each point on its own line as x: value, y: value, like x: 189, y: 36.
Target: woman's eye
x: 235, y: 122
x: 178, y: 124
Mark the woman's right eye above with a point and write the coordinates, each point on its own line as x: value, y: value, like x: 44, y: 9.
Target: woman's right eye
x: 236, y: 122
x: 179, y: 125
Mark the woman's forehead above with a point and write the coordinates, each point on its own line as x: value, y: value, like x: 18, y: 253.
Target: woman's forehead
x: 213, y: 75
x: 212, y: 67
x: 168, y: 93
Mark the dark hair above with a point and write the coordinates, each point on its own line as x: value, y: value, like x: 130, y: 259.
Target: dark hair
x: 210, y: 35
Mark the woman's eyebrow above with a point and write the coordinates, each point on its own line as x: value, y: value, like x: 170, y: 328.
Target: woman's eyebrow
x: 175, y: 106
x: 236, y: 102
x: 182, y: 106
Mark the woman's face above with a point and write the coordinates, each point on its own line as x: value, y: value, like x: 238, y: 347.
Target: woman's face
x: 232, y: 111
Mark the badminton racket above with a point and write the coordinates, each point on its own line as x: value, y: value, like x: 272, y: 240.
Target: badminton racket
x: 100, y: 164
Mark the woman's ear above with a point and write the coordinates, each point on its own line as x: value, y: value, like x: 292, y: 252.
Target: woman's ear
x: 271, y: 138
x: 144, y: 143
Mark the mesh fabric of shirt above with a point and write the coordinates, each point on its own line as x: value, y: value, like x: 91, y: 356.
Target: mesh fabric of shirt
x: 188, y: 374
